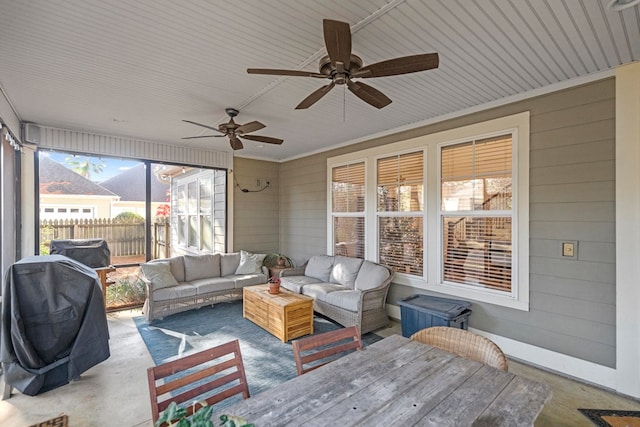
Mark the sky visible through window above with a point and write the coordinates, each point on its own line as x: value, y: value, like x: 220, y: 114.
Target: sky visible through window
x: 112, y: 167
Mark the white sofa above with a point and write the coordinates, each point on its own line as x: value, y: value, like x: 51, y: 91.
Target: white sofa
x: 191, y: 281
x: 350, y: 291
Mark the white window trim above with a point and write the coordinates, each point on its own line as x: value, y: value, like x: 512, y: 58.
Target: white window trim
x: 516, y: 123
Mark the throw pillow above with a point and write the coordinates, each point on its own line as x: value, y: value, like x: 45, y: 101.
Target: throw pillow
x: 202, y: 266
x: 250, y: 263
x: 159, y: 274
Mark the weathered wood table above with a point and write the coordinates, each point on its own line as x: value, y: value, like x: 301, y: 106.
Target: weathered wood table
x: 397, y: 381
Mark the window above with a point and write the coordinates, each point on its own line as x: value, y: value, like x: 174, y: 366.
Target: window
x: 475, y: 212
x: 201, y: 210
x: 400, y: 208
x: 448, y: 211
x: 347, y: 209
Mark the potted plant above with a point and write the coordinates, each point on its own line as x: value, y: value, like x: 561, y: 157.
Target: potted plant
x: 277, y: 260
x: 175, y: 416
x: 274, y: 285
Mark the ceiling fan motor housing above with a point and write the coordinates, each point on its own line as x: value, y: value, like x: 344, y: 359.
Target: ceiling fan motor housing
x: 327, y: 68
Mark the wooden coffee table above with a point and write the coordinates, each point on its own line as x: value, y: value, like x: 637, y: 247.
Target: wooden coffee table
x: 286, y: 315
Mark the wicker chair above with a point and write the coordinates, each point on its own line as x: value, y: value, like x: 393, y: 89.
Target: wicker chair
x: 463, y: 343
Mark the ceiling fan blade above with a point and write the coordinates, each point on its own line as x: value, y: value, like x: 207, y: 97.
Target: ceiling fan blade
x: 403, y: 65
x: 204, y: 126
x: 315, y: 96
x: 236, y: 144
x: 265, y: 139
x: 337, y: 39
x: 203, y: 136
x: 368, y: 94
x: 250, y: 127
x: 293, y: 73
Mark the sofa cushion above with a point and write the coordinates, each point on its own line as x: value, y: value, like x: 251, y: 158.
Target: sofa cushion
x: 203, y: 266
x: 174, y: 292
x: 346, y: 299
x: 229, y: 263
x: 242, y: 280
x: 250, y: 263
x: 296, y: 283
x: 319, y: 267
x: 176, y: 264
x: 159, y: 273
x: 371, y: 275
x: 212, y: 284
x: 320, y: 290
x: 345, y: 270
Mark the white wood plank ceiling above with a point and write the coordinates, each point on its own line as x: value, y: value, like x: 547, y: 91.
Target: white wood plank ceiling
x: 137, y: 68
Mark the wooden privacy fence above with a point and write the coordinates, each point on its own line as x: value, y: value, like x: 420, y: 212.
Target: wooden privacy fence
x: 161, y: 238
x: 124, y: 238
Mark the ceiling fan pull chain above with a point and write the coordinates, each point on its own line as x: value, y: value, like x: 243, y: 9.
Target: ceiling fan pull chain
x: 344, y: 103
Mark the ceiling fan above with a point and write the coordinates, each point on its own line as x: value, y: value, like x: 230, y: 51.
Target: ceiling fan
x: 235, y: 131
x: 341, y: 66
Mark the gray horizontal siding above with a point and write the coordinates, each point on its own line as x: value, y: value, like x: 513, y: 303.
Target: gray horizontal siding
x: 599, y: 191
x: 572, y: 197
x: 256, y: 214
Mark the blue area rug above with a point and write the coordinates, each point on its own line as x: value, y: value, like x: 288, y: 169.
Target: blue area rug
x: 267, y: 360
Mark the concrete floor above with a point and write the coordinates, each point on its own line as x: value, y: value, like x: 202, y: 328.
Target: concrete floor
x: 115, y: 392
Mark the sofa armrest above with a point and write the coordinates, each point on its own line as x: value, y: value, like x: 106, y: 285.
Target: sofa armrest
x: 374, y: 298
x: 148, y: 284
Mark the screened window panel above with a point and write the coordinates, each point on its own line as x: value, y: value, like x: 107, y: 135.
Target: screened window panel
x: 348, y: 235
x: 477, y: 251
x: 348, y: 188
x: 400, y: 180
x: 400, y: 243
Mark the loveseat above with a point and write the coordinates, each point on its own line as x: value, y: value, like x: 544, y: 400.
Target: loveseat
x: 186, y: 282
x: 350, y: 291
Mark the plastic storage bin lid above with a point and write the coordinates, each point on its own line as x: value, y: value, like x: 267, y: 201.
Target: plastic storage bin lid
x: 444, y: 307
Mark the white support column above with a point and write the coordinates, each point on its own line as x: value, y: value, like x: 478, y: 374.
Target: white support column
x: 628, y: 229
x: 28, y: 198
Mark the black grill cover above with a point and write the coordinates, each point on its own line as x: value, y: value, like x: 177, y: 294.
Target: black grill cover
x: 54, y: 325
x: 92, y: 252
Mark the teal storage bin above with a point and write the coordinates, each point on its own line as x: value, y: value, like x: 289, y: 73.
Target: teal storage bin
x: 423, y: 311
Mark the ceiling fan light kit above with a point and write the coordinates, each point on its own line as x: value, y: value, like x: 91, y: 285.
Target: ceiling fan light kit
x: 341, y: 66
x: 235, y: 131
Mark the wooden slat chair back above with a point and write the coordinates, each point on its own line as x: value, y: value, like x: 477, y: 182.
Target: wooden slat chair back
x: 463, y: 343
x: 212, y: 375
x: 327, y: 345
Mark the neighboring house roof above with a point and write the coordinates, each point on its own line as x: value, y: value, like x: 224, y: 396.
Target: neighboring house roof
x: 129, y: 185
x: 54, y: 178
